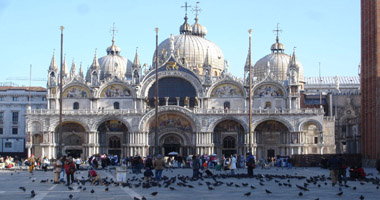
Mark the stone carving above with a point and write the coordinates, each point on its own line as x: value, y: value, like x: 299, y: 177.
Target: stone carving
x: 173, y: 121
x: 226, y: 90
x: 187, y: 101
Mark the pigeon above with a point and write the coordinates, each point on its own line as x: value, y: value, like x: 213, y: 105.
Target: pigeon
x: 92, y: 191
x: 70, y: 188
x: 354, y: 188
x: 253, y: 187
x: 33, y: 194
x: 22, y: 188
x: 267, y: 191
x: 210, y: 188
x: 135, y: 198
x: 361, y: 197
x: 106, y: 189
x: 300, y: 194
x: 143, y: 198
x: 236, y: 185
x: 171, y: 188
x: 70, y: 196
x: 340, y: 194
x: 247, y: 194
x: 154, y: 193
x: 84, y: 189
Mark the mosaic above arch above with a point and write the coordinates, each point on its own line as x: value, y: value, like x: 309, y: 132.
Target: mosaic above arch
x: 115, y: 90
x: 76, y: 92
x: 172, y: 121
x: 227, y: 90
x: 269, y: 91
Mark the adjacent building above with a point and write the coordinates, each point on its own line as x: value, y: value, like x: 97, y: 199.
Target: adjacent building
x: 14, y: 102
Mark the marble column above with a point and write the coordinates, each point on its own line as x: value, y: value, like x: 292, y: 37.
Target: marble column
x: 178, y: 98
x: 166, y: 100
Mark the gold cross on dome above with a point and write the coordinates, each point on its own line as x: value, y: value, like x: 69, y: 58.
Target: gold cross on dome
x: 113, y: 30
x: 197, y: 9
x: 277, y: 30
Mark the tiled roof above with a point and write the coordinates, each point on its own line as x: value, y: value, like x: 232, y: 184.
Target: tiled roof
x: 34, y: 89
x: 343, y: 80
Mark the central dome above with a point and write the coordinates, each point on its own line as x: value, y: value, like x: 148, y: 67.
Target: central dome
x: 194, y: 48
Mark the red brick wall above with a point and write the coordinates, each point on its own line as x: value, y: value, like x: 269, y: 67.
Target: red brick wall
x: 370, y: 76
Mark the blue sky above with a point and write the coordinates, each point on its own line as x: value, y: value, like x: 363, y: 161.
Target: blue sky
x: 326, y: 31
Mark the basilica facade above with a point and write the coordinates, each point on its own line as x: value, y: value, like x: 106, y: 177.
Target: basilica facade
x: 202, y: 108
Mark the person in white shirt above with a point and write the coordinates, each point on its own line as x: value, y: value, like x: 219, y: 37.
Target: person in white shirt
x: 78, y: 162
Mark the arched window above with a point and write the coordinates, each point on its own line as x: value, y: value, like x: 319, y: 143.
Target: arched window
x: 227, y: 105
x: 114, y: 142
x: 116, y: 105
x: 229, y: 142
x: 76, y: 106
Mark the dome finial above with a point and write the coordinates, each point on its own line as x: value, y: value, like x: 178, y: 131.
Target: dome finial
x: 185, y: 27
x: 277, y: 47
x: 198, y: 29
x: 113, y: 33
x: 197, y: 10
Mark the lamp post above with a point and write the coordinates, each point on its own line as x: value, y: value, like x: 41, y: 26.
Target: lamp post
x: 156, y: 100
x: 250, y: 94
x: 60, y: 97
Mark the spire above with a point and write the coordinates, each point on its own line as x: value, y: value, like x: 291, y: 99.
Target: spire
x: 53, y: 63
x: 293, y: 61
x: 95, y: 62
x: 65, y: 70
x: 136, y: 62
x: 80, y: 71
x: 206, y: 63
x: 73, y: 69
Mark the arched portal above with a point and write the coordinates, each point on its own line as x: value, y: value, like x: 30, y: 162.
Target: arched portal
x: 174, y: 133
x: 73, y: 138
x: 37, y: 139
x: 173, y: 88
x: 228, y: 138
x: 111, y: 135
x: 271, y: 137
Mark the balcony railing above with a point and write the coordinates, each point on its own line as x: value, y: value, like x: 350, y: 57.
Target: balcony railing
x: 193, y: 110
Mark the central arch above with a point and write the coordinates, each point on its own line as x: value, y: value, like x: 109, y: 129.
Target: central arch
x: 73, y: 138
x: 175, y: 132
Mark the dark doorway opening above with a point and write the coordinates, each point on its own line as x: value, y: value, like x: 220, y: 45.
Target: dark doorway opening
x: 228, y: 153
x: 75, y: 153
x: 171, y: 148
x: 270, y: 153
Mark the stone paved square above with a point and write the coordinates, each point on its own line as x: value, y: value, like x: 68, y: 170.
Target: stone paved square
x: 12, y: 180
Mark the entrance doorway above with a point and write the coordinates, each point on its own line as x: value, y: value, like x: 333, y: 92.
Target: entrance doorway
x: 270, y: 153
x: 75, y: 153
x: 228, y: 153
x: 171, y: 148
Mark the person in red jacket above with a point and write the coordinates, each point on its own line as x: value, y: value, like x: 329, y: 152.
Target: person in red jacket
x: 70, y: 170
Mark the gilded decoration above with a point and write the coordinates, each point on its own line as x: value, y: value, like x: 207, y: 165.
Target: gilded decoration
x: 171, y: 65
x: 226, y: 90
x: 269, y: 91
x: 172, y: 121
x: 229, y: 126
x: 76, y: 92
x: 115, y: 91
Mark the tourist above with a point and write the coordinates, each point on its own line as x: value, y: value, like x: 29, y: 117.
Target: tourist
x: 78, y: 161
x: 57, y: 170
x: 196, y: 165
x: 148, y: 174
x: 159, y: 165
x: 378, y: 165
x: 334, y: 166
x: 149, y: 162
x: 250, y: 161
x: 233, y: 164
x: 45, y: 163
x: 70, y: 170
x: 94, y: 176
x: 179, y: 161
x: 62, y: 175
x: 342, y: 170
x: 31, y: 162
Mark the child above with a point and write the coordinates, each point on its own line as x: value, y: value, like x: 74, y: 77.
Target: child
x: 148, y: 174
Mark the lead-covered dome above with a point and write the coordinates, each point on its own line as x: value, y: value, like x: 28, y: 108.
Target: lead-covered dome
x: 278, y: 62
x: 194, y: 49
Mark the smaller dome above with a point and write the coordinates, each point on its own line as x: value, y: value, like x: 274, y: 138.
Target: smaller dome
x: 185, y: 28
x: 113, y: 49
x: 277, y: 47
x: 198, y: 29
